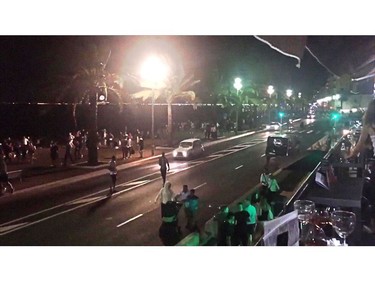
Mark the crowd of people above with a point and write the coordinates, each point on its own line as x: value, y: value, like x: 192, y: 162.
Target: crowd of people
x: 170, y: 231
x: 18, y: 149
x: 238, y: 226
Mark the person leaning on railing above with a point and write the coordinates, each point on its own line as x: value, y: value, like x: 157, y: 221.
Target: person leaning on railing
x: 368, y: 130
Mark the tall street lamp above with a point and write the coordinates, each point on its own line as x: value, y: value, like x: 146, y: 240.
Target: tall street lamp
x: 289, y: 93
x: 270, y: 91
x: 154, y: 71
x: 238, y: 86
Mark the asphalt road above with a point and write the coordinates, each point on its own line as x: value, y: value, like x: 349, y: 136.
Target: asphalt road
x: 83, y: 214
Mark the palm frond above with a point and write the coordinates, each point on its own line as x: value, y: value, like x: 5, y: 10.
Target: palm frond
x: 146, y: 94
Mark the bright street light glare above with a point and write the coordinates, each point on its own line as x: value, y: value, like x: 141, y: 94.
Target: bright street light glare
x: 237, y: 84
x: 154, y: 70
x: 237, y: 80
x: 270, y: 90
x: 289, y: 93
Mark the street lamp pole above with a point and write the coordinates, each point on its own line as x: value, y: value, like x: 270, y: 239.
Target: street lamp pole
x: 153, y: 123
x: 154, y: 71
x: 270, y: 91
x: 238, y: 86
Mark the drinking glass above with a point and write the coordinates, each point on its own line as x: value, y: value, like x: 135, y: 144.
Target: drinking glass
x: 305, y: 209
x: 343, y: 223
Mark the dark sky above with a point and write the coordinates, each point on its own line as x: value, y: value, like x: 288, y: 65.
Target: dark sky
x: 32, y: 65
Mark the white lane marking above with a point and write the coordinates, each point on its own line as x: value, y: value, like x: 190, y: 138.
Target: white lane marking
x: 52, y: 216
x: 200, y: 185
x: 129, y: 220
x: 263, y: 155
x: 302, y: 131
x: 9, y: 227
x: 239, y: 167
x: 196, y: 162
x: 93, y: 201
x: 83, y: 201
x: 135, y: 183
x: 309, y: 132
x: 213, y: 155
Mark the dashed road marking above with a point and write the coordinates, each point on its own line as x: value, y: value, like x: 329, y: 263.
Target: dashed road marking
x: 130, y: 220
x: 200, y: 185
x: 239, y: 167
x: 135, y: 183
x: 309, y: 132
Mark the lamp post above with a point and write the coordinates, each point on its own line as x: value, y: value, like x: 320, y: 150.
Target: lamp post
x: 289, y: 93
x: 238, y: 86
x: 153, y: 71
x: 270, y: 91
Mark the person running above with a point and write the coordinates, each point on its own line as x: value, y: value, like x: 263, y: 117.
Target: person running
x: 164, y: 165
x: 4, y: 175
x: 113, y: 174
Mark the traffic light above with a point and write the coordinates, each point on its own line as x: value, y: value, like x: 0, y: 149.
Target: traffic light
x: 281, y: 114
x: 335, y: 116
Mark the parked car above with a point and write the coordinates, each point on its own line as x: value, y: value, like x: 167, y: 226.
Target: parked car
x: 273, y: 126
x: 188, y: 148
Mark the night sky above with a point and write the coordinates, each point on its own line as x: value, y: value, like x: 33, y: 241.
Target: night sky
x: 32, y: 66
x: 35, y: 68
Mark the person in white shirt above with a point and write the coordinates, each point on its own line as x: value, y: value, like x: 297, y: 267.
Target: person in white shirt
x: 182, y: 196
x: 113, y: 174
x: 265, y: 178
x: 164, y: 195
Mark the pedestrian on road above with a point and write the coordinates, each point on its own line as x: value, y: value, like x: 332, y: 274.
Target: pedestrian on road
x: 164, y: 165
x: 141, y: 144
x: 165, y: 195
x: 68, y: 149
x: 54, y: 153
x: 113, y: 174
x: 191, y: 205
x: 4, y: 174
x: 182, y: 197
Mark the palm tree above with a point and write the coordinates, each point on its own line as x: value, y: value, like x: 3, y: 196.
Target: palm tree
x: 230, y: 99
x: 86, y: 85
x: 176, y: 87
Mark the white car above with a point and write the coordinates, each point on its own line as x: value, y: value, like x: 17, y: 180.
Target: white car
x: 188, y: 148
x: 273, y: 126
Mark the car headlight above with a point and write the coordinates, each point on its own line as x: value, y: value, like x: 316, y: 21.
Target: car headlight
x: 184, y: 153
x: 174, y: 153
